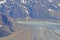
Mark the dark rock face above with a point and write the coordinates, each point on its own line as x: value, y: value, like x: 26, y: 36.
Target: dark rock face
x: 37, y: 9
x: 5, y: 21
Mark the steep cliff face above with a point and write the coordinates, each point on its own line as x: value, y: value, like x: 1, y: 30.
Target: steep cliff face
x: 36, y: 9
x: 5, y: 26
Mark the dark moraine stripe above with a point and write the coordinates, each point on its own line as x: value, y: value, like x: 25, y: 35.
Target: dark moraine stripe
x: 7, y: 22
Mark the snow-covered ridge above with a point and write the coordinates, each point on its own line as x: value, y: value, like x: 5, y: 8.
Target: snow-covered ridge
x: 3, y: 1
